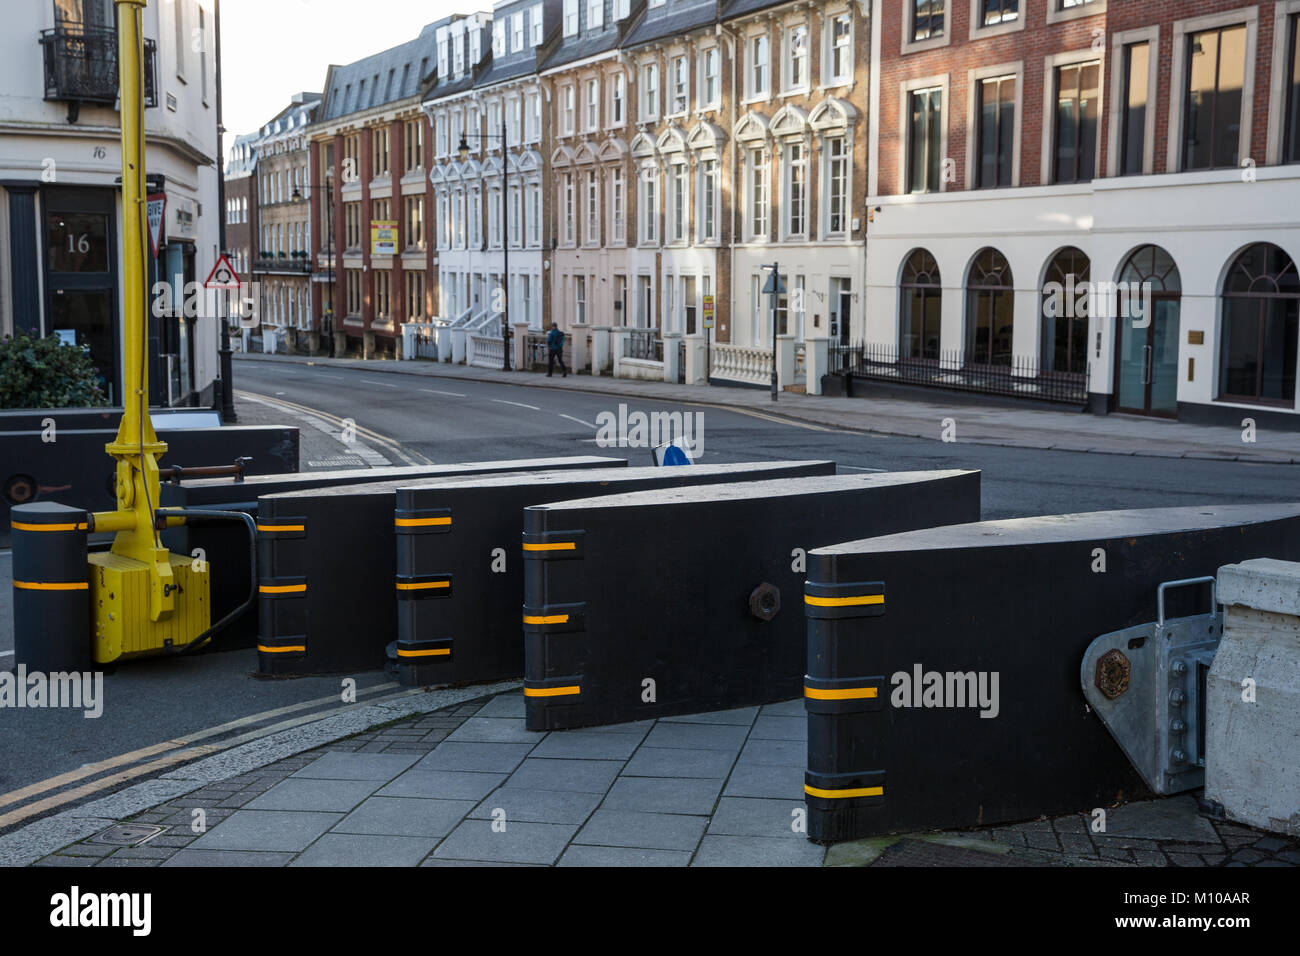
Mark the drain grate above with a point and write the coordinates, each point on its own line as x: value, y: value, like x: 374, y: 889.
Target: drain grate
x: 128, y: 834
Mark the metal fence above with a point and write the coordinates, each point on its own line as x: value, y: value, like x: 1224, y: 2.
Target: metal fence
x: 1021, y: 377
x: 644, y: 344
x: 426, y: 344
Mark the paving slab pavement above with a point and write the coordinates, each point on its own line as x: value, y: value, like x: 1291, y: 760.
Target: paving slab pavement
x: 469, y: 786
x: 977, y: 419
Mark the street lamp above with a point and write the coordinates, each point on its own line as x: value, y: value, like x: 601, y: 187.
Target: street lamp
x: 329, y: 251
x: 463, y: 151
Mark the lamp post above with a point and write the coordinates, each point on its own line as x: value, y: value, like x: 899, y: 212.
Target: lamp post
x: 329, y: 252
x: 463, y: 151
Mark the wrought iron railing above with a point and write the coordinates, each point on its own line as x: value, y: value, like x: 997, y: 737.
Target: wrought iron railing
x: 81, y: 65
x: 1020, y: 377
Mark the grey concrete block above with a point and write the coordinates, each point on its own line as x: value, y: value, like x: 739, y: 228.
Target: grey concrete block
x: 496, y: 730
x: 346, y: 849
x: 586, y: 776
x: 266, y: 830
x: 765, y: 780
x: 1172, y: 818
x: 311, y: 794
x: 443, y: 785
x: 741, y: 716
x: 405, y: 816
x: 746, y: 816
x: 481, y: 757
x: 670, y: 762
x: 664, y: 795
x: 240, y: 858
x: 776, y: 753
x: 527, y: 805
x: 632, y: 828
x: 336, y: 766
x: 578, y: 855
x: 503, y: 705
x: 773, y: 727
x: 1264, y: 584
x: 585, y: 745
x: 718, y: 850
x: 698, y: 736
x: 537, y: 843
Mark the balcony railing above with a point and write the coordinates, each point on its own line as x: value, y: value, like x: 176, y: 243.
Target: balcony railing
x: 287, y: 264
x: 81, y: 67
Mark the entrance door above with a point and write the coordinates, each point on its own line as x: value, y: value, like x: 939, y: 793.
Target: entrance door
x: 841, y: 305
x: 688, y: 301
x: 81, y: 276
x: 1147, y: 373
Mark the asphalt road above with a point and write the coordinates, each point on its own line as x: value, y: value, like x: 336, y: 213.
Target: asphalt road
x: 152, y: 702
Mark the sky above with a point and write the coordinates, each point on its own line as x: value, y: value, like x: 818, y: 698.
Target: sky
x: 271, y: 49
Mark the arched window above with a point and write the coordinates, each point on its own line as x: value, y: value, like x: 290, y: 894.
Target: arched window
x: 920, y: 294
x: 1146, y: 314
x: 1261, y: 326
x: 989, y: 309
x: 1065, y: 313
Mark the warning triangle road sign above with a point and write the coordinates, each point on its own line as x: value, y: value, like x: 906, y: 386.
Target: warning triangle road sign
x: 222, y: 276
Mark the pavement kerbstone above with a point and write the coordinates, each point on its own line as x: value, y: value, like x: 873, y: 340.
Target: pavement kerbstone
x: 267, y: 830
x: 682, y: 736
x: 664, y: 795
x: 346, y: 849
x: 528, y: 805
x: 634, y: 828
x: 312, y: 794
x: 747, y: 816
x: 669, y: 762
x: 587, y: 776
x: 443, y: 784
x: 404, y: 817
x: 536, y: 843
x: 477, y: 757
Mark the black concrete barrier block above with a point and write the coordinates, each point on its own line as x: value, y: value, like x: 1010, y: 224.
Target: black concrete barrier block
x: 672, y: 602
x: 225, y: 545
x: 942, y: 684
x: 327, y: 560
x: 51, y: 588
x: 73, y: 469
x: 460, y: 577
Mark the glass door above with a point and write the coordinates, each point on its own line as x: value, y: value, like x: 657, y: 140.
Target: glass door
x: 1147, y: 373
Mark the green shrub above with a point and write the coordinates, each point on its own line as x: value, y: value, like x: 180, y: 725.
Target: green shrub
x: 47, y: 373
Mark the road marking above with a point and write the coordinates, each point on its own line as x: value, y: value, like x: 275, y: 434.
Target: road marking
x: 182, y: 756
x: 370, y: 381
x: 861, y: 468
x: 502, y: 401
x: 322, y: 421
x: 90, y: 769
x: 578, y: 420
x: 434, y: 391
x: 6, y: 653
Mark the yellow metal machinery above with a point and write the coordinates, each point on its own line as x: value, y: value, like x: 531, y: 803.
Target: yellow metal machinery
x: 143, y: 598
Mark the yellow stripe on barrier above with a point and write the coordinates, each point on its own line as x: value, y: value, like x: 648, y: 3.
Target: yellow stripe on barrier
x: 846, y: 693
x: 843, y: 601
x: 281, y: 527
x: 546, y: 619
x: 422, y: 585
x: 551, y: 546
x: 24, y: 526
x: 841, y: 794
x: 52, y: 586
x: 551, y: 691
x: 433, y: 652
x: 420, y: 522
x: 281, y: 588
x: 286, y: 649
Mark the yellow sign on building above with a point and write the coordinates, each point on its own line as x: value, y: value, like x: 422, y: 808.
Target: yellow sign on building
x: 383, y: 237
x: 708, y: 312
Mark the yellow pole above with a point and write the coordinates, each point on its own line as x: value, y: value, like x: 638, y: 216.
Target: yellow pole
x: 136, y: 447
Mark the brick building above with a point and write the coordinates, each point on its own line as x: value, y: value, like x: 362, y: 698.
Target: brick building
x: 282, y: 267
x: 241, y: 203
x: 369, y: 161
x: 1022, y: 147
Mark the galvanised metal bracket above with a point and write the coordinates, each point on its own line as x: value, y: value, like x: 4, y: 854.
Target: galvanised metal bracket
x: 1147, y: 684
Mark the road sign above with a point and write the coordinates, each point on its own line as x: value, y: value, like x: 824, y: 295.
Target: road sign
x: 708, y: 311
x: 222, y: 276
x: 674, y: 452
x: 155, y: 211
x: 775, y: 283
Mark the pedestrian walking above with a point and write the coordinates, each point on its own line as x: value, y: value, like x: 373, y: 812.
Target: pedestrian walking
x: 555, y: 350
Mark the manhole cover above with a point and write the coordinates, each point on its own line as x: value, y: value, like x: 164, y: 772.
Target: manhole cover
x: 128, y: 834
